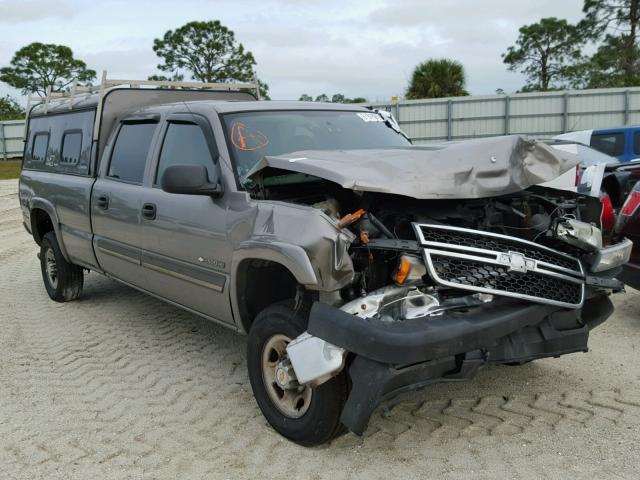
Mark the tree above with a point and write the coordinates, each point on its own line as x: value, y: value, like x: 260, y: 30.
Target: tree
x: 10, y: 109
x: 38, y: 66
x: 335, y: 98
x: 209, y: 52
x: 437, y: 79
x: 545, y: 52
x: 616, y: 62
x: 178, y: 77
x: 264, y: 90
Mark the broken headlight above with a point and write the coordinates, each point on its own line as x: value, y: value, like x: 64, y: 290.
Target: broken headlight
x: 409, y: 271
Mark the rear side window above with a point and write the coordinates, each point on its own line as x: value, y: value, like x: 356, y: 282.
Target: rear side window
x: 609, y: 143
x: 39, y: 147
x: 71, y: 148
x: 129, y: 154
x: 184, y: 143
x: 61, y: 143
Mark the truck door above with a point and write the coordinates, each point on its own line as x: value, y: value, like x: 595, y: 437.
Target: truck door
x: 185, y: 251
x: 116, y: 201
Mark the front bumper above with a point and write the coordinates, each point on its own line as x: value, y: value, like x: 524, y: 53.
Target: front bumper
x: 612, y: 257
x: 391, y: 358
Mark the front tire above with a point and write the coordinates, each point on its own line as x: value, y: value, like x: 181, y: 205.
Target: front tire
x: 62, y: 280
x: 308, y: 416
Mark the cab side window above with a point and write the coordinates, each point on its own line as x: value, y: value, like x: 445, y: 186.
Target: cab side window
x: 39, y: 147
x: 129, y: 155
x: 184, y: 143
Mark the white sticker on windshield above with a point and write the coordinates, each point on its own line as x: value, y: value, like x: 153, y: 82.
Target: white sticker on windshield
x: 370, y: 117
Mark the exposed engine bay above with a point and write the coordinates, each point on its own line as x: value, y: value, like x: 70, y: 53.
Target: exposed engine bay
x: 395, y: 280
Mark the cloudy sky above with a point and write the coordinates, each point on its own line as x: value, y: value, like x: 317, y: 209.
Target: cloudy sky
x: 359, y: 48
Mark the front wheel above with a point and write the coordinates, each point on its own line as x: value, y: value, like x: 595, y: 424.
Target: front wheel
x: 308, y: 416
x: 63, y: 280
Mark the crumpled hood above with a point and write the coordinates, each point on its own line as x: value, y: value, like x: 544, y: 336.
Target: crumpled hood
x: 477, y: 168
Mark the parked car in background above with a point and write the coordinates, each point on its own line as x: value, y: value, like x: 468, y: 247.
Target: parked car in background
x: 622, y: 143
x: 628, y: 225
x: 583, y: 156
x: 586, y: 155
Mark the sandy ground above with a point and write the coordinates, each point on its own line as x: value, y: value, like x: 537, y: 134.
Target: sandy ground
x: 120, y: 385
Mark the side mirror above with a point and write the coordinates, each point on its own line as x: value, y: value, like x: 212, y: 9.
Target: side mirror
x: 189, y: 180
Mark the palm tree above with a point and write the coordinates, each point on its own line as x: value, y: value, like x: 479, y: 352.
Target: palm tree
x: 437, y: 79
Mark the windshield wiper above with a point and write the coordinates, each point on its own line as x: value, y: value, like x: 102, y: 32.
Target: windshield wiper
x: 392, y: 123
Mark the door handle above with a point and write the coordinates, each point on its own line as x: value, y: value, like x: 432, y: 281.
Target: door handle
x: 149, y: 211
x: 103, y: 202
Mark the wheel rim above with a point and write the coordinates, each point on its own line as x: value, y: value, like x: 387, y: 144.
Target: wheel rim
x: 51, y: 268
x: 292, y: 401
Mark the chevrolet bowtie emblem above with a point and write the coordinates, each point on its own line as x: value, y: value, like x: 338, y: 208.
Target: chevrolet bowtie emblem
x: 517, y: 262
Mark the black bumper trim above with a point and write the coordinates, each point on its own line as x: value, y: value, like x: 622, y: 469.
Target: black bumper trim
x: 414, y: 341
x: 373, y: 382
x: 558, y: 333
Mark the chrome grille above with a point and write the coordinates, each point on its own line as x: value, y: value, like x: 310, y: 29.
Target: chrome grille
x: 486, y: 241
x: 501, y: 265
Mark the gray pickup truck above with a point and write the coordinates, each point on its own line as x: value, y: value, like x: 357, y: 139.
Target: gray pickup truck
x: 359, y: 265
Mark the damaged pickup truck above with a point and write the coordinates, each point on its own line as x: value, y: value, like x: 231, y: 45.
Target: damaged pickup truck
x: 359, y: 265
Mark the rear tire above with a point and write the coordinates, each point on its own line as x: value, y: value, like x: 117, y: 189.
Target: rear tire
x: 317, y: 419
x: 62, y: 280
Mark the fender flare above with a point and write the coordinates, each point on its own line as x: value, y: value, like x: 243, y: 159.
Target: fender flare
x: 50, y: 209
x: 291, y: 257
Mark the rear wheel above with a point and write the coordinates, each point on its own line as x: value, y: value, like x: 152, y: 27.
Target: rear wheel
x: 308, y: 416
x: 62, y: 280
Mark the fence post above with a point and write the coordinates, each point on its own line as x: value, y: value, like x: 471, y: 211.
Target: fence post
x: 627, y: 101
x: 507, y: 112
x: 3, y: 141
x: 565, y: 111
x: 449, y: 120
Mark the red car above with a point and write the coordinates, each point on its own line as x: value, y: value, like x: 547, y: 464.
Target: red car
x: 628, y: 225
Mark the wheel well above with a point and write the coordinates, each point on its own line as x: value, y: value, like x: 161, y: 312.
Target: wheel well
x: 41, y: 224
x: 261, y: 283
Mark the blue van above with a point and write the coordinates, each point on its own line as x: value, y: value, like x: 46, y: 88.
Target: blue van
x: 622, y: 142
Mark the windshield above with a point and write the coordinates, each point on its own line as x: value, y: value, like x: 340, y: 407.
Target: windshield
x: 254, y: 135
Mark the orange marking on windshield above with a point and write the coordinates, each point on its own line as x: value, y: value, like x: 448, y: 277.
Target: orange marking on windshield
x: 247, y: 139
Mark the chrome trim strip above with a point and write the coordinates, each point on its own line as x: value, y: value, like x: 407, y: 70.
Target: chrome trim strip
x: 439, y: 280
